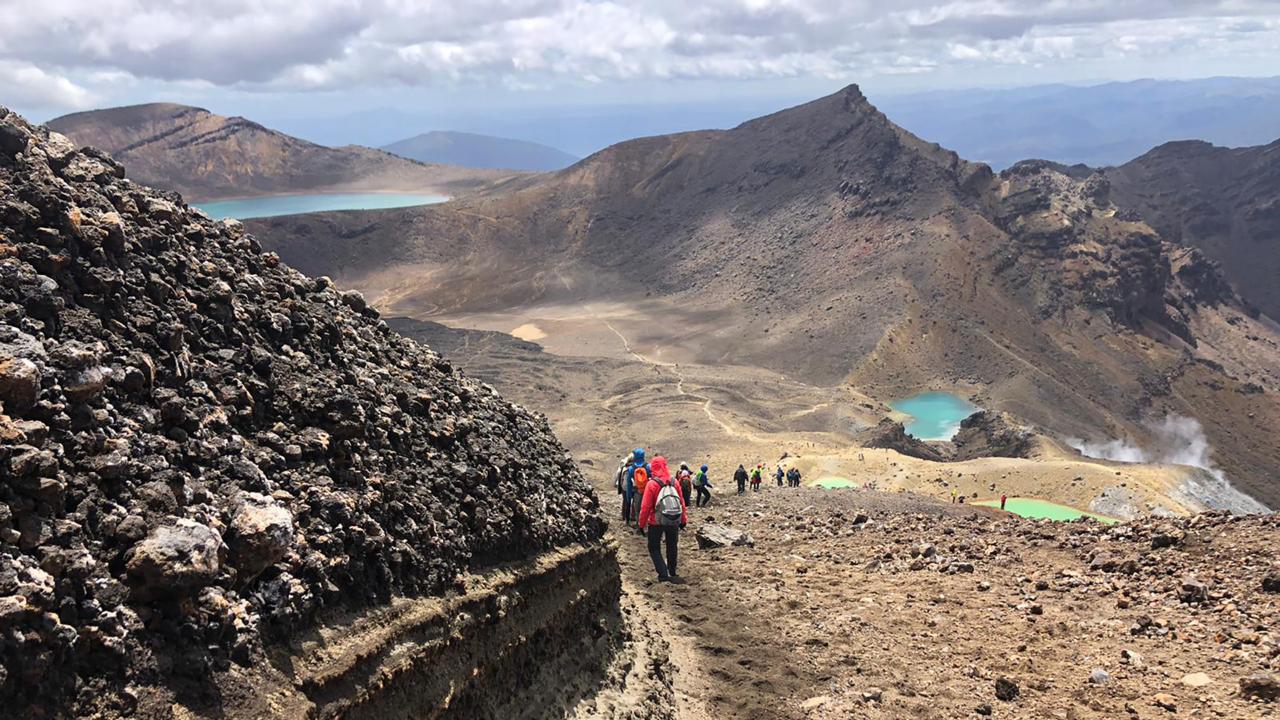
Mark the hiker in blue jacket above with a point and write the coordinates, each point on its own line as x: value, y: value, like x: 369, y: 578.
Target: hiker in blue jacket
x: 630, y: 508
x: 702, y: 484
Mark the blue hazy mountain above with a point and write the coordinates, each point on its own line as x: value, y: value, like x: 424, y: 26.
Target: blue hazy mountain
x: 480, y: 151
x: 1097, y: 125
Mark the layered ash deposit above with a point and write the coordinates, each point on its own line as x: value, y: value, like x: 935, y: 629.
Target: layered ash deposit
x: 205, y: 453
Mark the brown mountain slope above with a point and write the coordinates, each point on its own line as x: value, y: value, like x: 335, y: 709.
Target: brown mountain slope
x: 1225, y: 201
x: 826, y: 243
x: 206, y: 156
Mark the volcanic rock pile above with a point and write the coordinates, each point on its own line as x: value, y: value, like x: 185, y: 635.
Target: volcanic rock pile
x: 203, y: 449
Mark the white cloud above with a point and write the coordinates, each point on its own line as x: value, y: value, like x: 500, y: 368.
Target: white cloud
x: 336, y: 44
x: 25, y: 84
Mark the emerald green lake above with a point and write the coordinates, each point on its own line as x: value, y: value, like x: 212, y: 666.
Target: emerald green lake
x: 1043, y: 509
x: 273, y: 205
x: 934, y: 415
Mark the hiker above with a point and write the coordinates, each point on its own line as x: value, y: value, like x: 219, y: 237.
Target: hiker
x: 779, y: 475
x: 620, y: 484
x: 953, y: 496
x: 685, y: 478
x: 637, y: 475
x: 740, y: 477
x: 702, y: 484
x: 1003, y: 498
x: 756, y: 472
x: 662, y: 516
x: 793, y: 477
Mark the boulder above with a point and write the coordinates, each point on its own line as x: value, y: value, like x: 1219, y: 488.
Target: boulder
x: 1166, y: 536
x: 1006, y: 689
x: 19, y: 383
x: 1271, y: 583
x: 261, y: 535
x: 176, y: 557
x: 718, y: 536
x: 1196, y: 680
x: 1263, y: 686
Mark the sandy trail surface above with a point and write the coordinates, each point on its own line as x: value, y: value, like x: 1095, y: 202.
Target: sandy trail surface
x: 859, y: 604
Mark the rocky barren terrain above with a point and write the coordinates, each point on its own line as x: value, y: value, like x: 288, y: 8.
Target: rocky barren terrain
x: 230, y: 490
x: 851, y: 604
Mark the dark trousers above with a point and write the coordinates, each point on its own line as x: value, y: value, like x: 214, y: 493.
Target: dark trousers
x: 672, y: 534
x: 704, y: 497
x: 626, y: 506
x: 742, y: 486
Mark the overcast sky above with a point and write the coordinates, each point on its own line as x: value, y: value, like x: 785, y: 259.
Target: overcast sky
x: 282, y: 58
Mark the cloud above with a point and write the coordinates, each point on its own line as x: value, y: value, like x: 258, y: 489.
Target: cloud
x: 25, y: 84
x: 338, y: 44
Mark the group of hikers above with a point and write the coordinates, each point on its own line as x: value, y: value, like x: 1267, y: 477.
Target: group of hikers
x: 662, y: 510
x: 742, y: 476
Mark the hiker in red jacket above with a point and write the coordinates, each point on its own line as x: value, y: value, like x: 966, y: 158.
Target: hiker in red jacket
x: 662, y: 515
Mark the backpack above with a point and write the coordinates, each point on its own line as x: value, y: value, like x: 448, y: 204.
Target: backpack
x: 668, y: 511
x: 685, y: 478
x: 639, y: 479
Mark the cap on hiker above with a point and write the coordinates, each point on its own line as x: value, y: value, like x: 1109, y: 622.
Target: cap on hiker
x: 704, y: 468
x: 638, y: 454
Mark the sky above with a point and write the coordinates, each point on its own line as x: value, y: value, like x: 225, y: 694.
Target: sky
x: 311, y: 66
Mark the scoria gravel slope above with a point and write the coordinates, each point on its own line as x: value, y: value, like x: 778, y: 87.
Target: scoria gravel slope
x: 209, y: 458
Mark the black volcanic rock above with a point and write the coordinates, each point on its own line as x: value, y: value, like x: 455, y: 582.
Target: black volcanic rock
x: 202, y: 449
x: 892, y: 435
x: 1224, y: 201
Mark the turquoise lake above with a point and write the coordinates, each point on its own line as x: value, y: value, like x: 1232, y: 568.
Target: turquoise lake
x: 273, y: 205
x: 934, y: 415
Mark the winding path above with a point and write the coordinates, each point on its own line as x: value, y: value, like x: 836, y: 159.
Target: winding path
x: 674, y: 369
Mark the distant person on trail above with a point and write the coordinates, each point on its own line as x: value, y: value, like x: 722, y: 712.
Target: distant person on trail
x: 756, y: 473
x: 779, y: 475
x: 620, y: 484
x: 740, y: 477
x: 702, y: 484
x: 663, y: 515
x: 685, y: 478
x: 793, y: 477
x: 637, y: 475
x: 953, y: 496
x: 1003, y: 498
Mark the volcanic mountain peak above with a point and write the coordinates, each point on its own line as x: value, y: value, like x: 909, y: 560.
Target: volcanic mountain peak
x: 205, y: 155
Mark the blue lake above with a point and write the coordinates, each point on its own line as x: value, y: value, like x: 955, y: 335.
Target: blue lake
x: 934, y: 415
x: 273, y: 205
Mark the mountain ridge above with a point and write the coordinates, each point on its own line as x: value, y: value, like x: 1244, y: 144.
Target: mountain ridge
x: 207, y: 156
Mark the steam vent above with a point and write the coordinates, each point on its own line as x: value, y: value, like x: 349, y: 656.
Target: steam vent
x: 230, y: 490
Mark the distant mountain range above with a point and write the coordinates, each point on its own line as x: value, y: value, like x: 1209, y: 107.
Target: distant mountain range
x: 206, y: 156
x: 480, y: 151
x: 1097, y: 125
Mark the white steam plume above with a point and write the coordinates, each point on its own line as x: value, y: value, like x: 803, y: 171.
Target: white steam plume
x: 1179, y: 441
